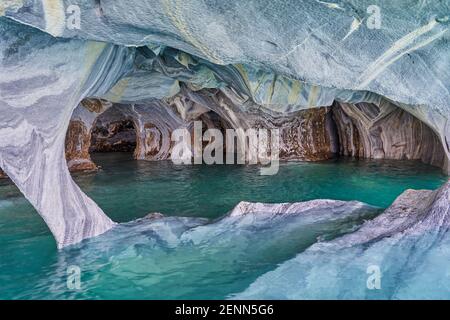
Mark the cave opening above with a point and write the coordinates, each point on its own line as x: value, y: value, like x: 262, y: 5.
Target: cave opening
x: 342, y: 130
x: 384, y: 131
x: 113, y: 135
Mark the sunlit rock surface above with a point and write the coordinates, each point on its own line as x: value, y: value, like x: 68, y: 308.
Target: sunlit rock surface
x: 283, y: 56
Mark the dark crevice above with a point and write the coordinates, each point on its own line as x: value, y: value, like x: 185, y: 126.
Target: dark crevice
x: 115, y: 136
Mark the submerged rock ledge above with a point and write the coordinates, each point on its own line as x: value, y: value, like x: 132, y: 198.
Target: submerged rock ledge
x: 403, y: 241
x: 278, y: 57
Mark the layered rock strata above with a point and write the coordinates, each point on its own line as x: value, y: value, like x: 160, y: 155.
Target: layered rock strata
x: 362, y: 130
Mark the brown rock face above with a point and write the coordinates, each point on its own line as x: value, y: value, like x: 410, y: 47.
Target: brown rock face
x: 2, y: 175
x: 97, y: 106
x: 385, y: 132
x: 306, y: 135
x: 350, y: 143
x: 143, y: 128
x: 309, y: 136
x: 78, y: 139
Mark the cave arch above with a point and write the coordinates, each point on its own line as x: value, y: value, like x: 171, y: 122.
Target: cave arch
x: 113, y: 132
x: 385, y: 131
x: 360, y: 130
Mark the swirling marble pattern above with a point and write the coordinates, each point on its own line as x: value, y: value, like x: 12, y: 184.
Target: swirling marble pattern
x: 36, y: 104
x: 385, y: 131
x: 281, y: 56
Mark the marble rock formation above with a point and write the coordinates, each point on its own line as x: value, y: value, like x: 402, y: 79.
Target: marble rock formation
x: 77, y: 147
x: 278, y: 56
x: 332, y: 207
x: 36, y: 103
x: 143, y: 128
x: 306, y: 135
x: 365, y: 130
x: 154, y: 123
x: 112, y: 135
x: 411, y: 235
x: 385, y: 131
x: 78, y: 136
x: 264, y: 55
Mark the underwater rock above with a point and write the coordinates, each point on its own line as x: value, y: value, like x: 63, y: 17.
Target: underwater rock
x: 331, y: 207
x: 405, y: 243
x: 170, y: 246
x: 154, y: 215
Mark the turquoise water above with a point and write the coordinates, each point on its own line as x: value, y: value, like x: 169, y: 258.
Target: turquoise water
x: 172, y: 258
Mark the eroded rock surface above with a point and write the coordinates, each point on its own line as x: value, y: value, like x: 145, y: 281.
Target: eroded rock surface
x: 36, y: 102
x: 385, y: 131
x: 114, y: 136
x: 305, y: 135
x: 78, y: 136
x: 77, y: 147
x: 282, y: 56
